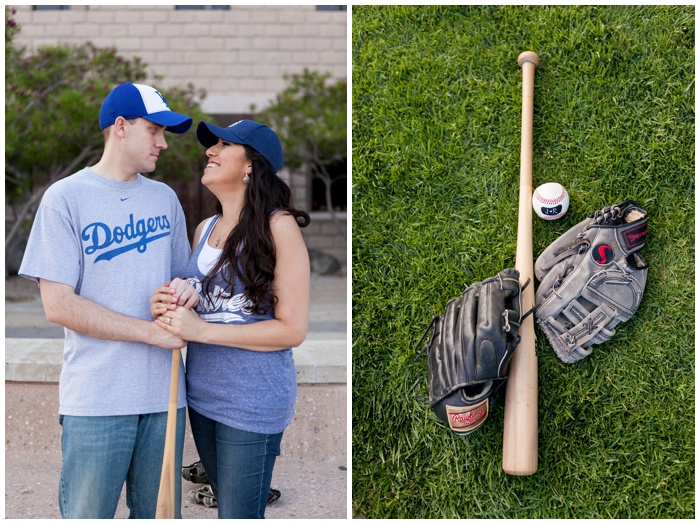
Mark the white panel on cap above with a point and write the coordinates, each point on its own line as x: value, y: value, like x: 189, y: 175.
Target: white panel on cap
x: 152, y: 99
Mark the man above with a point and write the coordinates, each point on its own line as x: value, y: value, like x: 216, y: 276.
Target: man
x: 103, y: 239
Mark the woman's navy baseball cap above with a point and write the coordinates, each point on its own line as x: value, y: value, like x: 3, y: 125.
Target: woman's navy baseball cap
x: 140, y: 101
x: 245, y: 132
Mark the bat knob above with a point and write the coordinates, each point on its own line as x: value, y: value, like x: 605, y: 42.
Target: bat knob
x: 528, y: 56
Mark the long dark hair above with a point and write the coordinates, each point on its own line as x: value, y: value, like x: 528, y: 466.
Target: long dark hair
x: 249, y: 250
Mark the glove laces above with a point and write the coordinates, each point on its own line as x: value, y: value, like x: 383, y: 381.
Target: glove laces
x: 425, y: 334
x: 607, y: 215
x: 616, y: 214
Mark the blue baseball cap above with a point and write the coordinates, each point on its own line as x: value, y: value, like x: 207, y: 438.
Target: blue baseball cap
x: 140, y: 101
x: 245, y: 132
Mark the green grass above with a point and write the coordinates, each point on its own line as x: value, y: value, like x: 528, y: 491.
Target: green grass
x: 435, y: 169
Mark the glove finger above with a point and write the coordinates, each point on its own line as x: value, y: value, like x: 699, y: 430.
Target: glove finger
x: 510, y: 282
x: 445, y: 361
x: 438, y: 368
x: 468, y: 332
x: 490, y: 344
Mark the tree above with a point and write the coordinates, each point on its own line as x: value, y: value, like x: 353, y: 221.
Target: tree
x: 52, y: 102
x: 310, y: 116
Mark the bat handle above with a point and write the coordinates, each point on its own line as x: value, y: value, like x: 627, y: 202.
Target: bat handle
x: 165, y: 507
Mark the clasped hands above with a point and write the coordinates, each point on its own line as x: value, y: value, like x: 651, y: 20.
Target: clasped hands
x: 172, y: 305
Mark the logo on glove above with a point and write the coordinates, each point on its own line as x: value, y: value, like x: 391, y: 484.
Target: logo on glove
x: 603, y: 254
x: 636, y: 236
x: 464, y: 419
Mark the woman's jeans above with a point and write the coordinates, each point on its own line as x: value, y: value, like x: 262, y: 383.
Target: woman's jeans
x: 238, y: 464
x: 100, y: 453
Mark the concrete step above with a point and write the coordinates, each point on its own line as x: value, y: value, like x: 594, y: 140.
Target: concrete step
x: 321, y: 359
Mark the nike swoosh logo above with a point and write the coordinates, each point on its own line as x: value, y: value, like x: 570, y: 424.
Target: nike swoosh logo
x: 127, y: 198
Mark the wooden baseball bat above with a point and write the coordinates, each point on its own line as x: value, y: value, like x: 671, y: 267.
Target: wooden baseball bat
x: 165, y: 508
x: 520, y: 419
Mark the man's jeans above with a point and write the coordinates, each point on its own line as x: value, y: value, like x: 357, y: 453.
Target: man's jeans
x: 238, y: 464
x: 100, y: 453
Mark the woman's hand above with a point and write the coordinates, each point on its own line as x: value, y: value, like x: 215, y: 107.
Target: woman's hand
x: 179, y: 292
x: 185, y: 294
x: 182, y: 322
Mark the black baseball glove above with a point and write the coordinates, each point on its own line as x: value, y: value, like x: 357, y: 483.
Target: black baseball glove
x: 470, y: 348
x: 591, y: 279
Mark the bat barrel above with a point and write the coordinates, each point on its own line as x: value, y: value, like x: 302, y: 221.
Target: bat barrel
x: 520, y: 421
x: 165, y: 506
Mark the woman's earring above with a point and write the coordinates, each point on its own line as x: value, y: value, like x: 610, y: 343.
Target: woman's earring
x: 246, y: 179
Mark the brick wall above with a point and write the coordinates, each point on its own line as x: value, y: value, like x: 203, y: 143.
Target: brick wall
x: 322, y: 234
x: 238, y: 55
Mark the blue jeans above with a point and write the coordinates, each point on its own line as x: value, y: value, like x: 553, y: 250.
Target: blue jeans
x: 101, y: 453
x: 239, y: 465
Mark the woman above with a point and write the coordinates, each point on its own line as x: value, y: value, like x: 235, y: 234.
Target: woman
x: 250, y: 268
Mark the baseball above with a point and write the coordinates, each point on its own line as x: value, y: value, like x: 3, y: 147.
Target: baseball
x: 550, y: 201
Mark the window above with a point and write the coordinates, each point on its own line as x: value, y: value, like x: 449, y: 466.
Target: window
x: 200, y: 7
x: 337, y: 177
x: 331, y: 8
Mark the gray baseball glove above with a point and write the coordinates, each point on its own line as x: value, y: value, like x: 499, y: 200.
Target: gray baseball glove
x: 470, y: 348
x: 591, y: 279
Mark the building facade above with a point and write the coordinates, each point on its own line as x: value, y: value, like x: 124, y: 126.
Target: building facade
x: 239, y: 54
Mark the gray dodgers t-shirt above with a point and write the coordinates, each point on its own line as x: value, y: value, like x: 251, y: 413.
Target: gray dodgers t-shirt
x: 115, y: 242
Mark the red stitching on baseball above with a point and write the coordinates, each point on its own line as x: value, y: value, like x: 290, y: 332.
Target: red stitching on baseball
x: 550, y: 201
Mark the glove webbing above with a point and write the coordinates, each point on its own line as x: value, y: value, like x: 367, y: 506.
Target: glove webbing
x: 586, y: 324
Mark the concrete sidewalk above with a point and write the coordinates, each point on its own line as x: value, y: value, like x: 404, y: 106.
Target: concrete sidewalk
x: 311, y: 472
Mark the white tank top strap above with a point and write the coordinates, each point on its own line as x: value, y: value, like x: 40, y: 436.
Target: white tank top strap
x: 208, y: 256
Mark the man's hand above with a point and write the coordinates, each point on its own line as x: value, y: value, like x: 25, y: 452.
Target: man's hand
x: 164, y: 339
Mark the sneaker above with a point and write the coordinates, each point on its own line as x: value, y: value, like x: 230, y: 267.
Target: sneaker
x: 195, y: 473
x: 203, y: 495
